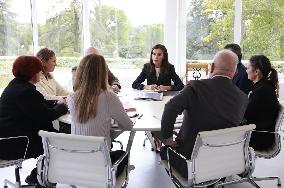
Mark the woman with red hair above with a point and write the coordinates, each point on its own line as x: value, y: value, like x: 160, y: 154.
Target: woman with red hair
x: 24, y: 111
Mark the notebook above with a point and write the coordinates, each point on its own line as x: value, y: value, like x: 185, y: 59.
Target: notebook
x: 128, y: 107
x: 158, y: 96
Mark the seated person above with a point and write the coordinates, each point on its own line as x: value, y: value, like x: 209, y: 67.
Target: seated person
x: 207, y: 104
x: 24, y: 111
x: 92, y: 106
x: 241, y: 78
x: 263, y: 107
x: 159, y: 73
x: 47, y: 85
x: 112, y: 80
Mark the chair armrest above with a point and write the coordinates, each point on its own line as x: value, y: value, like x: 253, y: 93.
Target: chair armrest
x: 270, y: 132
x: 178, y: 154
x: 21, y: 142
x: 119, y: 160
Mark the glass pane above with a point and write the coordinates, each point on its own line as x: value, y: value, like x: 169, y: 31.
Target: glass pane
x: 60, y: 26
x: 263, y: 28
x: 126, y: 29
x: 15, y: 35
x: 210, y: 26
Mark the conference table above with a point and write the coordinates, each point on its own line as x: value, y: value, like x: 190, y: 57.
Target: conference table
x: 148, y: 114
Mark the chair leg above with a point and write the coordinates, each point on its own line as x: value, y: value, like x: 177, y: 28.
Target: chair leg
x: 144, y: 142
x: 151, y: 139
x: 17, y: 183
x: 268, y: 178
x: 253, y: 183
x: 237, y: 181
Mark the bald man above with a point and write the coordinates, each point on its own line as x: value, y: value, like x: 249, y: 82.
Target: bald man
x: 112, y: 80
x: 208, y: 104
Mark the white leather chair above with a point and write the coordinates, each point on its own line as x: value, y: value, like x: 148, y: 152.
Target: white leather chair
x: 22, y: 143
x: 217, y: 154
x: 78, y: 161
x: 275, y: 149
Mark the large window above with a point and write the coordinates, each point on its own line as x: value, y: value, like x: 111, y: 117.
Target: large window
x: 119, y: 30
x: 15, y: 35
x: 60, y: 26
x: 263, y: 28
x: 210, y: 26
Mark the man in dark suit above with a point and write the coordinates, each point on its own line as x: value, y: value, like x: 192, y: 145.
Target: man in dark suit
x: 112, y: 80
x: 208, y: 104
x: 241, y: 78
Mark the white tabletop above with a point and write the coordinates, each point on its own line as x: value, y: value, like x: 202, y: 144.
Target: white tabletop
x: 151, y: 110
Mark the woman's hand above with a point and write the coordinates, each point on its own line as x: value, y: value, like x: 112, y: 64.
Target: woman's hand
x: 151, y: 87
x: 164, y: 88
x: 62, y: 101
x: 115, y: 88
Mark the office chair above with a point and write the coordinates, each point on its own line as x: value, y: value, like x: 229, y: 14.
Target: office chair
x: 78, y: 160
x: 275, y: 149
x: 14, y: 158
x: 217, y: 154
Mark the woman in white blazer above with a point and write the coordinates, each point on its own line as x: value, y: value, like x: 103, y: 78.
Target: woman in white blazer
x: 47, y: 85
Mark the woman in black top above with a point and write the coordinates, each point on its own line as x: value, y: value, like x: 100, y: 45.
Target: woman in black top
x: 263, y: 104
x: 159, y: 72
x: 24, y: 111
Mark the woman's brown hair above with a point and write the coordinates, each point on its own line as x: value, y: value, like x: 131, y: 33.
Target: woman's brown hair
x: 90, y: 81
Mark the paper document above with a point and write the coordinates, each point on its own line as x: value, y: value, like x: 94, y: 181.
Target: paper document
x: 128, y: 107
x: 149, y: 95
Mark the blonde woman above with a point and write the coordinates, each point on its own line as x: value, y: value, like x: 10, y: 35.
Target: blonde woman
x: 92, y: 105
x: 47, y: 85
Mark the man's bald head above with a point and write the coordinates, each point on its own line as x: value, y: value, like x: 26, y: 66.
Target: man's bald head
x: 224, y: 63
x: 91, y: 50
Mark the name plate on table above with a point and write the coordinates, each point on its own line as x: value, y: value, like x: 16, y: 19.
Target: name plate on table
x: 158, y: 96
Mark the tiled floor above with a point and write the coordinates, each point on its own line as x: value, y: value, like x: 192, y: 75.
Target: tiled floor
x: 148, y: 172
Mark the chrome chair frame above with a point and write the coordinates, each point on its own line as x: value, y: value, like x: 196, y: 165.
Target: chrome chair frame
x: 17, y: 163
x: 275, y: 149
x: 44, y: 162
x: 191, y: 163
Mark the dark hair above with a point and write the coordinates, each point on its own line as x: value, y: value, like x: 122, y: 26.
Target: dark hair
x: 262, y: 63
x: 25, y: 67
x: 165, y: 61
x: 45, y: 54
x: 236, y: 49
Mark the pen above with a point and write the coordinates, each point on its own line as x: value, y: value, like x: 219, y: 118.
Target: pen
x: 140, y: 116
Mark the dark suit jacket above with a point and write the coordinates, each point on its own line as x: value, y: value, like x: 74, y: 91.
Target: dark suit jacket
x: 262, y: 110
x: 163, y: 79
x: 241, y: 79
x: 208, y: 104
x: 112, y: 80
x: 23, y: 112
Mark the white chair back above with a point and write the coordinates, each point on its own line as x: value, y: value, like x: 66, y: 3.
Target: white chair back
x: 77, y: 160
x: 219, y: 153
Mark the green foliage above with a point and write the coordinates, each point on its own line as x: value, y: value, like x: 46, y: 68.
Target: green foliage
x: 110, y: 29
x: 62, y: 31
x: 210, y: 26
x: 263, y: 33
